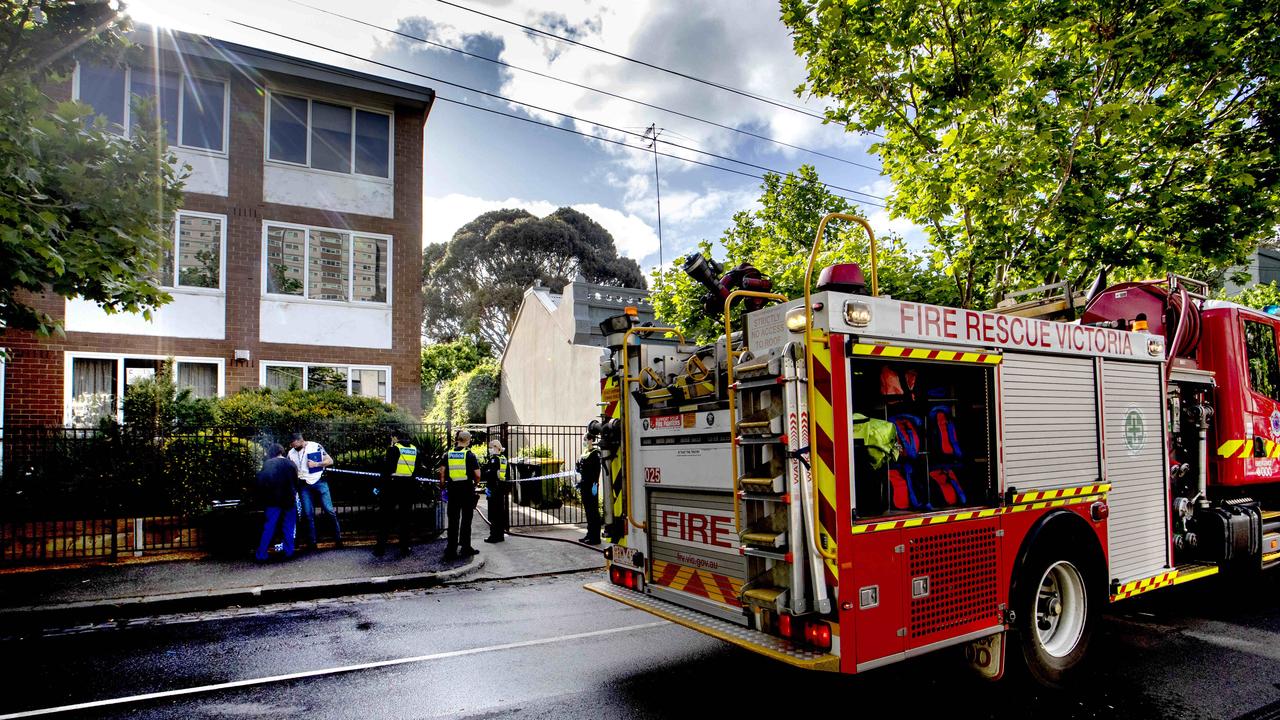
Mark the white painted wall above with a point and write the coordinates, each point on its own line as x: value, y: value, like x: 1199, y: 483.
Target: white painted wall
x: 546, y: 379
x: 190, y: 315
x: 294, y: 185
x: 208, y: 172
x: 302, y: 322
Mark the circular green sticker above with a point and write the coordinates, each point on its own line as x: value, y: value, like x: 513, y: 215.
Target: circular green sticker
x: 1135, y: 432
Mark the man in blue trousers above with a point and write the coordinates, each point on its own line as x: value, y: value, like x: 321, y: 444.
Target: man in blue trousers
x: 277, y: 484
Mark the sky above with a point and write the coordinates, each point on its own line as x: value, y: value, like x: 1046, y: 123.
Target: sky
x: 478, y: 161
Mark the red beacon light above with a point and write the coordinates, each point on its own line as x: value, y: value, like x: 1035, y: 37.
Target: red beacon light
x: 844, y: 277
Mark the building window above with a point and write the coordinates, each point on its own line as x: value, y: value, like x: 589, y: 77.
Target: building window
x: 195, y: 260
x: 96, y: 382
x: 350, y: 379
x: 326, y: 264
x: 192, y: 110
x: 329, y: 136
x: 1260, y: 349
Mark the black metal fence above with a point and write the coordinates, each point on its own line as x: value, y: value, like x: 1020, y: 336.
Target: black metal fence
x: 70, y: 494
x: 543, y: 460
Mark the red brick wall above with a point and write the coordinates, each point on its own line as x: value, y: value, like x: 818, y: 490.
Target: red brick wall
x: 34, y: 374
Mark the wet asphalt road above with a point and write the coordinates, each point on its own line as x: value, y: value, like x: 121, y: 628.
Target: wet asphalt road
x: 545, y: 648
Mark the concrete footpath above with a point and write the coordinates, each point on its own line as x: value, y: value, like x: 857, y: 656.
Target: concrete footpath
x: 95, y: 593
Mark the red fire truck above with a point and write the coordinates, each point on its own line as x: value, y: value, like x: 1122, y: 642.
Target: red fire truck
x: 851, y: 480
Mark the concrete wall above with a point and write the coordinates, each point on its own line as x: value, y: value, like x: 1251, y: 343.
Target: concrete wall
x: 551, y: 366
x: 546, y: 379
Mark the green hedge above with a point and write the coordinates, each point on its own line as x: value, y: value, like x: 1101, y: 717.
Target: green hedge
x: 340, y: 422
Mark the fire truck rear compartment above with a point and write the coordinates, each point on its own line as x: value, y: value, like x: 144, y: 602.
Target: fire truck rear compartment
x: 942, y: 420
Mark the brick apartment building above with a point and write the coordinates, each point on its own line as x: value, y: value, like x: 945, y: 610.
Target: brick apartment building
x: 297, y: 253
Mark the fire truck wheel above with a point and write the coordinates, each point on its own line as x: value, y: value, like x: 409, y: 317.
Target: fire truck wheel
x: 1055, y: 616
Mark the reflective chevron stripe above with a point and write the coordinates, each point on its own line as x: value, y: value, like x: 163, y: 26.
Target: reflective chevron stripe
x: 908, y: 353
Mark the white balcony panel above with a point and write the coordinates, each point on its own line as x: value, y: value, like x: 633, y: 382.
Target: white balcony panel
x: 208, y: 172
x: 325, y: 324
x: 190, y: 315
x: 291, y: 185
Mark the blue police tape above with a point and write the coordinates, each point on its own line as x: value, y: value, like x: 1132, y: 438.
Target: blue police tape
x: 567, y: 473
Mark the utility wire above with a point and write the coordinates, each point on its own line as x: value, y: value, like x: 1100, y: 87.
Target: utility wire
x: 571, y: 131
x: 677, y: 73
x: 607, y: 93
x: 552, y: 112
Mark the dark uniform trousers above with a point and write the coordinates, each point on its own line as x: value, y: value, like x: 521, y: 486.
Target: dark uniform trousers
x: 395, y: 507
x: 499, y: 490
x: 461, y: 505
x: 589, y: 488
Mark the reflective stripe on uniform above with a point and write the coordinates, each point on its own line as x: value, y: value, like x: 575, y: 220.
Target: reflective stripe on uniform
x: 457, y: 465
x: 407, y: 461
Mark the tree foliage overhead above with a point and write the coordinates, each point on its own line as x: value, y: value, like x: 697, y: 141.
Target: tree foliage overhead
x: 778, y: 237
x: 1039, y: 141
x: 474, y: 284
x: 83, y: 211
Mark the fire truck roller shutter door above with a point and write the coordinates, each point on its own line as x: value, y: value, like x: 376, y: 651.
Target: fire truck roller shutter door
x: 1138, y: 528
x: 1050, y: 424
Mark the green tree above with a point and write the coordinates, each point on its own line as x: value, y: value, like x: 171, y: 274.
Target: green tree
x: 1039, y: 141
x: 444, y: 361
x: 84, y: 212
x: 778, y: 237
x: 474, y: 284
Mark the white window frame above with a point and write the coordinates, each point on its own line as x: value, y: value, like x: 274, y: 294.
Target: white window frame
x: 69, y: 356
x: 306, y: 267
x: 172, y: 282
x: 391, y: 136
x: 264, y: 364
x: 182, y: 81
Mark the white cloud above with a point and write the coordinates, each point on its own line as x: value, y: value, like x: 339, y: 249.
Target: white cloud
x: 442, y: 216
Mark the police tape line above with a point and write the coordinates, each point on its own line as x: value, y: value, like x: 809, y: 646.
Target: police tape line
x: 567, y: 473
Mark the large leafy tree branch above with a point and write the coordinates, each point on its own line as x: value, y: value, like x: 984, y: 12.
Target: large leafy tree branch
x: 1039, y: 141
x: 777, y: 238
x: 473, y: 285
x: 84, y: 212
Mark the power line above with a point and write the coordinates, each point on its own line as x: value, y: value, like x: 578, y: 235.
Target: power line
x: 607, y: 93
x: 548, y: 110
x: 571, y: 131
x: 677, y: 73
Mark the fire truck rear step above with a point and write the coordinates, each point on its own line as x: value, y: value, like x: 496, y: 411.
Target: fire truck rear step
x: 762, y: 484
x: 753, y: 640
x: 765, y: 539
x: 768, y: 598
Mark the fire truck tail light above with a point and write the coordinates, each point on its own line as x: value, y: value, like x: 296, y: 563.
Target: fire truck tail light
x: 784, y: 625
x: 818, y: 634
x: 1099, y: 511
x: 615, y: 576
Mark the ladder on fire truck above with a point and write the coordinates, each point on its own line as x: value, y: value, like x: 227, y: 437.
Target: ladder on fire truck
x: 773, y: 482
x: 774, y: 487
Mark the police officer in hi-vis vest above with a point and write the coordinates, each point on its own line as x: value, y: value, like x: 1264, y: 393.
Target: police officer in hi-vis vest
x: 395, y: 492
x: 589, y: 487
x: 497, y: 488
x: 459, y: 475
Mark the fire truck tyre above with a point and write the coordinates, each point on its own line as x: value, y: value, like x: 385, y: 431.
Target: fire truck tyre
x: 1055, y: 615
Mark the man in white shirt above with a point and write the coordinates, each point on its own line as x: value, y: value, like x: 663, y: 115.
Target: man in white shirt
x: 311, y: 459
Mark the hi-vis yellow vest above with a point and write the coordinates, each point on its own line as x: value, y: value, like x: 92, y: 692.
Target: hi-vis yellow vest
x: 407, y: 461
x: 502, y: 467
x: 458, y: 466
